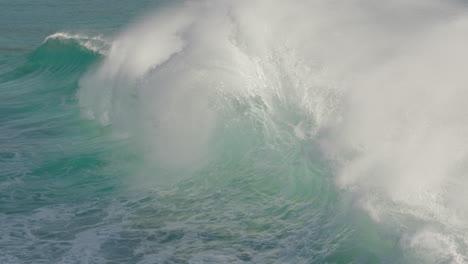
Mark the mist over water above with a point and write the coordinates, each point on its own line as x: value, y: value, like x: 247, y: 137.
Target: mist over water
x: 256, y: 131
x: 379, y: 87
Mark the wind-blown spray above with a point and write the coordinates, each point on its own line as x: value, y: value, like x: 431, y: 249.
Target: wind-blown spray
x: 380, y: 88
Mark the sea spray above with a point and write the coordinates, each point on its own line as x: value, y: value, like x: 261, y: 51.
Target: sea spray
x: 233, y: 132
x: 379, y: 87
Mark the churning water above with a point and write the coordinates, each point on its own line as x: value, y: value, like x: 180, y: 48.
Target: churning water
x: 259, y: 131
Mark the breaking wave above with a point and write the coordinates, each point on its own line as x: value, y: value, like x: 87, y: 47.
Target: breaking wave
x: 373, y: 93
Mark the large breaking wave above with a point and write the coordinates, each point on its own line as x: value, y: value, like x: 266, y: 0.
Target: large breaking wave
x: 375, y: 92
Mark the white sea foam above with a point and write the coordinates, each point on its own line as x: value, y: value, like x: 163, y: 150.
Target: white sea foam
x: 383, y: 83
x: 97, y: 43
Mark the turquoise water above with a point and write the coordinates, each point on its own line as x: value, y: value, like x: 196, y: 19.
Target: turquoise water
x: 165, y: 132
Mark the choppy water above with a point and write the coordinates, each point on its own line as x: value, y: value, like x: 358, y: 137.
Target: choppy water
x: 233, y: 132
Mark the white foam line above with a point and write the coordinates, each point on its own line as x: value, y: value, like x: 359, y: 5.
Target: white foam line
x: 94, y: 43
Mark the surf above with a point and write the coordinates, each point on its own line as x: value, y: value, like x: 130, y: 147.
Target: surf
x: 241, y: 132
x: 366, y: 83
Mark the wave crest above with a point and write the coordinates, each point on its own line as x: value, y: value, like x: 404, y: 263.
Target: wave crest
x: 378, y: 89
x: 93, y: 43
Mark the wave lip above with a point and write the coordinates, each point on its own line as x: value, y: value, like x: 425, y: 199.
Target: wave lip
x: 93, y: 43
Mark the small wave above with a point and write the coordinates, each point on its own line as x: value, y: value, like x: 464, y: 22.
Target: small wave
x: 94, y: 43
x: 61, y: 54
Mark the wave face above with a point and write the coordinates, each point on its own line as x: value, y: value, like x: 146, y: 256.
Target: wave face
x: 257, y: 131
x: 378, y: 90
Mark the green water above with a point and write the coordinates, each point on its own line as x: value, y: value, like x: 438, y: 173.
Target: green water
x: 77, y: 190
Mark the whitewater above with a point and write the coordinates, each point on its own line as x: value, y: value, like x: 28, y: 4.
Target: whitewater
x: 216, y: 131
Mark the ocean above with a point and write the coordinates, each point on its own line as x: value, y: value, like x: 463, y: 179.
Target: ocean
x: 248, y: 131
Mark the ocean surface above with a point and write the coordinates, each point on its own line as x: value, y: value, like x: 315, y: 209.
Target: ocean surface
x: 302, y: 131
